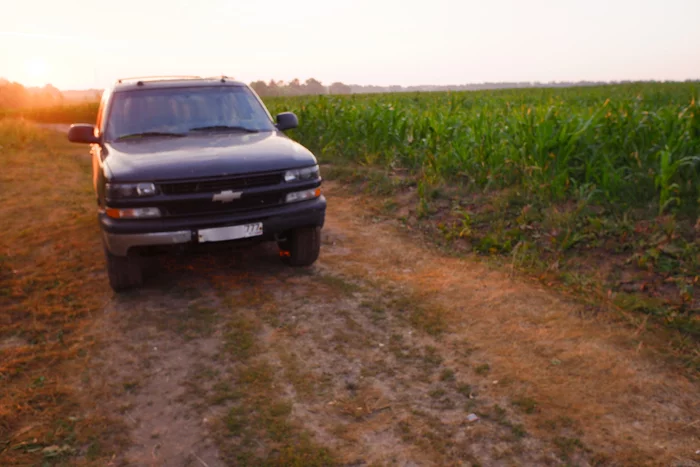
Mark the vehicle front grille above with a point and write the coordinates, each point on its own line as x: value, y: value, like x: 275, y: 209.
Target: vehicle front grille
x: 221, y: 184
x: 203, y: 207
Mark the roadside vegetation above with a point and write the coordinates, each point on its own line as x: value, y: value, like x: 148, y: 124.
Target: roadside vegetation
x: 51, y: 284
x: 595, y: 190
x: 627, y: 145
x: 73, y: 113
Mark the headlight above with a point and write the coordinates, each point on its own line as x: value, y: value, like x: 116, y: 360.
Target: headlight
x: 299, y: 175
x: 133, y: 213
x: 130, y: 190
x: 303, y: 195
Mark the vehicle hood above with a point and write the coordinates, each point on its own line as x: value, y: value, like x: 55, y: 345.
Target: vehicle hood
x: 203, y: 155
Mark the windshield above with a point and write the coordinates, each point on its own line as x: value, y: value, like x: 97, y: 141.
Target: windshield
x: 179, y: 110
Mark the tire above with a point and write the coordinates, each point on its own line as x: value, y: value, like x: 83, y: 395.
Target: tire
x: 124, y: 272
x: 302, y: 246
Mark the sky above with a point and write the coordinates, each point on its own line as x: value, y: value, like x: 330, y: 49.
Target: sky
x: 80, y: 44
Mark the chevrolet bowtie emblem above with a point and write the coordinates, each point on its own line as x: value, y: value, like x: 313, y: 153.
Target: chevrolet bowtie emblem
x: 227, y: 196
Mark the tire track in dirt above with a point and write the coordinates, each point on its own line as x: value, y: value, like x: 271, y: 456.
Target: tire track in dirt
x: 155, y: 341
x: 629, y: 408
x: 381, y: 350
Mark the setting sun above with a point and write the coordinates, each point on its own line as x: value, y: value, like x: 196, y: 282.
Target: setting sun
x: 37, y: 71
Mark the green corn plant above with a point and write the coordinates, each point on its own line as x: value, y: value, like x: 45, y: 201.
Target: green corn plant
x: 665, y: 179
x: 635, y: 143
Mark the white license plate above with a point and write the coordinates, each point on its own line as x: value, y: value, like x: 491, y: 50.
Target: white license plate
x: 221, y: 234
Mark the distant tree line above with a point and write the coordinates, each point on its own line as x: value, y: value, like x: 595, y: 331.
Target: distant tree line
x: 16, y: 96
x: 314, y: 87
x: 296, y: 88
x: 357, y: 89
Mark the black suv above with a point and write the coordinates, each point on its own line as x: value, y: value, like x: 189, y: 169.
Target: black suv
x: 189, y: 162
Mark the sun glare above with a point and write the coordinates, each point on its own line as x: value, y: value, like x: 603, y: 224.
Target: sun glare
x: 37, y: 71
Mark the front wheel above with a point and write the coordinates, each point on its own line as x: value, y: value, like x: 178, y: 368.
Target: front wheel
x: 301, y: 247
x: 124, y: 272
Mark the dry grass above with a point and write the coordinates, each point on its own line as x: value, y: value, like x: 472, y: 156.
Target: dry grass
x: 51, y: 283
x: 638, y: 269
x: 544, y: 359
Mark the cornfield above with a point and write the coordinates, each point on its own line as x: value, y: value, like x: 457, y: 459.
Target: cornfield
x: 629, y: 144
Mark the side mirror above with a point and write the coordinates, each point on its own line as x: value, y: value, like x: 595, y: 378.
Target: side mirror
x: 287, y: 121
x: 82, y: 133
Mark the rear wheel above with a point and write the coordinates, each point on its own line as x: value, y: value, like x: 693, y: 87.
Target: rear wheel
x: 125, y: 272
x: 301, y: 247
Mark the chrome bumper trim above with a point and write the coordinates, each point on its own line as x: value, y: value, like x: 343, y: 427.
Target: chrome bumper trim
x: 119, y: 244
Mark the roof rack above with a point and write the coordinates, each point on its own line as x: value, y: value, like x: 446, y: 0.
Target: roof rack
x: 223, y: 78
x: 141, y: 79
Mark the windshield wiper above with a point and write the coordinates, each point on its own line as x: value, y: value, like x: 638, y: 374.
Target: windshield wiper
x: 150, y: 133
x: 224, y: 127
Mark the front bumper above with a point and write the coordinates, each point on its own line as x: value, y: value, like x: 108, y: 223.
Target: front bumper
x: 121, y: 235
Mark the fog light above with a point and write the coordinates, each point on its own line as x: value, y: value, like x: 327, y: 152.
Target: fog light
x: 303, y: 195
x: 133, y: 213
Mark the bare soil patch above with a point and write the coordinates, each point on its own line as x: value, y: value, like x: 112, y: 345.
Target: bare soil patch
x: 377, y: 356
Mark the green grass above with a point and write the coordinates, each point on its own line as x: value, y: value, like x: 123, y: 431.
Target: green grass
x: 526, y: 404
x: 568, y: 446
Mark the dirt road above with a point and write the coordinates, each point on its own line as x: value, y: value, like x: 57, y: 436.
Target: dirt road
x: 384, y: 353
